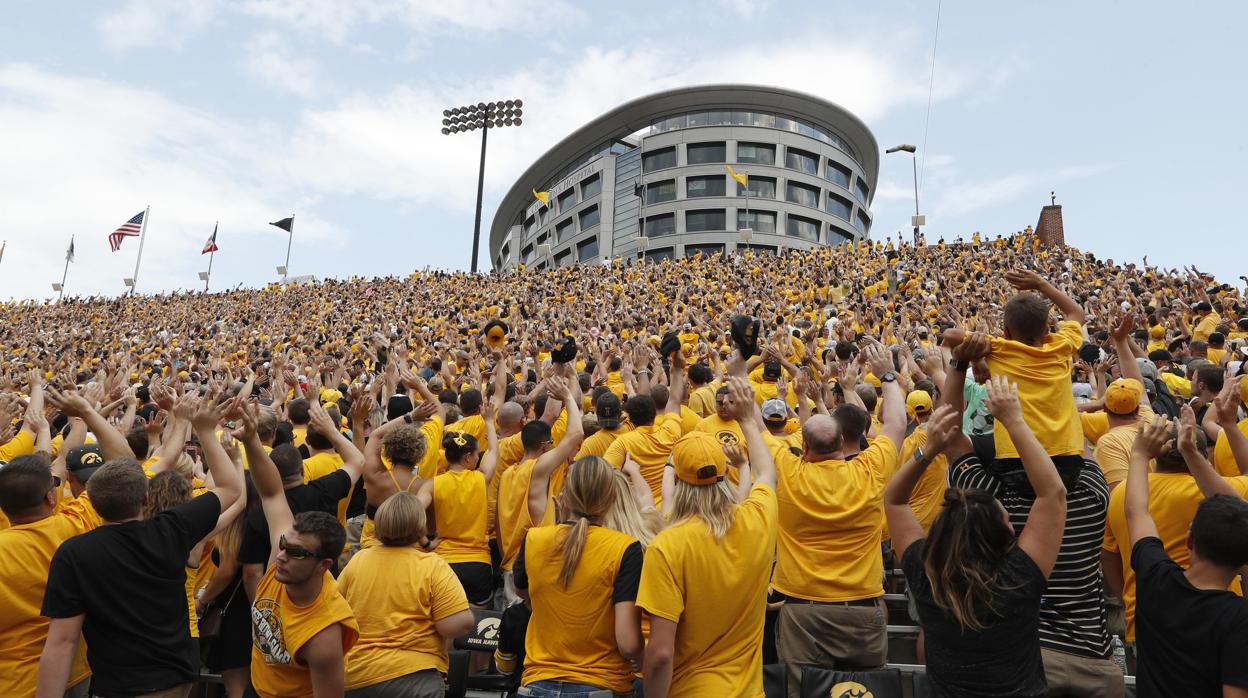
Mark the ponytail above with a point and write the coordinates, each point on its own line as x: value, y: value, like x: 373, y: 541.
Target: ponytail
x: 570, y: 548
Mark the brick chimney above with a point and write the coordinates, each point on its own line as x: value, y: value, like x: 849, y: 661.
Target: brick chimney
x: 1049, y: 227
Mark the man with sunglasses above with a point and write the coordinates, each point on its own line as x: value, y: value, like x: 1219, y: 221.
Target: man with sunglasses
x: 302, y: 627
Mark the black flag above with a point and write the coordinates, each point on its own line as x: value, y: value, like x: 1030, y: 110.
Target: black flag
x: 638, y: 190
x: 285, y: 223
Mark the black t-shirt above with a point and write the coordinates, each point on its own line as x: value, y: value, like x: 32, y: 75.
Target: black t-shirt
x: 1189, y: 641
x: 322, y: 494
x: 129, y: 580
x: 1001, y: 660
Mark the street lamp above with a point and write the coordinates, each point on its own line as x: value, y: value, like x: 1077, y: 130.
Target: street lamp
x: 917, y: 220
x: 485, y: 117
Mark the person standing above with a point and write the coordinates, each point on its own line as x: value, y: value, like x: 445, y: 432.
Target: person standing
x: 706, y: 642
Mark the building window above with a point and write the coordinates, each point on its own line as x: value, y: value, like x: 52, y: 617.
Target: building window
x: 564, y: 259
x: 803, y: 194
x: 526, y: 253
x: 838, y: 235
x: 591, y: 187
x: 660, y: 255
x: 660, y: 159
x: 543, y: 239
x: 589, y: 217
x: 587, y: 250
x: 710, y: 118
x: 563, y: 231
x: 658, y: 192
x: 706, y: 250
x: 861, y: 223
x: 567, y: 200
x: 503, y: 254
x: 662, y: 224
x: 758, y: 221
x: 860, y: 190
x: 838, y: 173
x: 804, y: 228
x: 702, y: 221
x: 541, y: 215
x: 701, y: 153
x: 528, y: 226
x: 704, y: 186
x: 760, y: 188
x: 801, y: 160
x: 756, y: 153
x: 839, y: 206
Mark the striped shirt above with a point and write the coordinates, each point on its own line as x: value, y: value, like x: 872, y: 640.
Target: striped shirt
x: 1073, y: 616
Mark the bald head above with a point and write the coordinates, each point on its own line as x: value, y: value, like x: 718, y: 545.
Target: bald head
x: 821, y: 434
x: 510, y: 415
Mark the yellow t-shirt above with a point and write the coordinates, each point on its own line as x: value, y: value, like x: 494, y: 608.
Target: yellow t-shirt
x: 432, y: 429
x: 510, y: 453
x: 1223, y: 459
x: 1206, y: 326
x: 702, y: 400
x: 727, y: 432
x: 26, y: 552
x: 719, y: 636
x: 1178, y: 385
x: 1044, y: 388
x: 597, y: 443
x: 459, y: 507
x: 320, y: 465
x: 1094, y: 425
x: 831, y: 524
x: 1172, y: 501
x: 514, y: 520
x: 398, y: 593
x: 688, y: 419
x: 576, y: 643
x: 929, y: 492
x: 650, y: 447
x: 22, y: 444
x: 280, y: 628
x: 1113, y: 452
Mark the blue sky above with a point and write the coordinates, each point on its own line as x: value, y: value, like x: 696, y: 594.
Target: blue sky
x: 245, y: 111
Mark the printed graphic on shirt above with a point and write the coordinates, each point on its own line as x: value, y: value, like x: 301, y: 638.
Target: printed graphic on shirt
x: 727, y: 438
x: 266, y: 632
x: 850, y: 689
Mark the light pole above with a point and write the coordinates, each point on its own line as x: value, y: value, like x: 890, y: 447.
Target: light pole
x: 480, y: 116
x: 917, y: 220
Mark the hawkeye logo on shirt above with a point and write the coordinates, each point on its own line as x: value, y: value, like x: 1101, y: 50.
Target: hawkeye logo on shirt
x: 266, y: 632
x: 728, y: 438
x: 850, y: 689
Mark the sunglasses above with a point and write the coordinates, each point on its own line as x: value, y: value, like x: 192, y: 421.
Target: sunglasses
x: 293, y: 551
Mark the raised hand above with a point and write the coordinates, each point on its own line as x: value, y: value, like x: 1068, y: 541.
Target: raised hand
x: 942, y: 429
x: 741, y: 397
x: 70, y: 403
x: 1024, y: 279
x: 1154, y: 437
x: 1227, y: 402
x: 1186, y: 441
x: 424, y: 410
x: 878, y: 358
x: 973, y: 347
x: 736, y: 456
x: 1002, y: 400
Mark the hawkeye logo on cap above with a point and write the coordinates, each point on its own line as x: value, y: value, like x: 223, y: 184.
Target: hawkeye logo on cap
x: 92, y: 458
x: 850, y: 689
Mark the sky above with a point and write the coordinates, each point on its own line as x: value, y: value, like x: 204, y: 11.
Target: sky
x: 241, y: 112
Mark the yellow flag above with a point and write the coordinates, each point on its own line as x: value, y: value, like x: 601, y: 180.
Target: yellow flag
x: 742, y: 179
x: 542, y: 196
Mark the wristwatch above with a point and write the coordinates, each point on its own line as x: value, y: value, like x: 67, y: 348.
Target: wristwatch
x: 920, y: 457
x: 407, y: 418
x: 888, y: 377
x: 961, y: 365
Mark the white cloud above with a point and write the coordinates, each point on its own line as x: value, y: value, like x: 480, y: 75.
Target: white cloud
x: 69, y: 173
x: 268, y: 57
x: 747, y: 9
x: 167, y: 23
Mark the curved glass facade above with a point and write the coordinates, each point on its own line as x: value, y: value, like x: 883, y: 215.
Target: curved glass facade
x: 720, y: 117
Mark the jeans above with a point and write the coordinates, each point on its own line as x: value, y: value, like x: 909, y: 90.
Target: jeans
x: 559, y: 689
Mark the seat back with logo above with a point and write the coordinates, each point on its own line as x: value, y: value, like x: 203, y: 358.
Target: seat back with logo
x: 829, y: 683
x: 484, y: 634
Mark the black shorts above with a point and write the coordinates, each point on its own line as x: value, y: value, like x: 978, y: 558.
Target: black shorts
x: 478, y: 581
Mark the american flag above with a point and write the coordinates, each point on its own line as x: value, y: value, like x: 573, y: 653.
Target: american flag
x: 130, y: 229
x: 211, y: 245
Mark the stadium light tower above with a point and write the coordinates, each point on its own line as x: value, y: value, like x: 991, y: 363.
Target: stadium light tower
x: 917, y: 220
x: 485, y: 117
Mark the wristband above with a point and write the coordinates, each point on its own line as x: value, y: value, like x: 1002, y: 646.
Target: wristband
x: 961, y: 365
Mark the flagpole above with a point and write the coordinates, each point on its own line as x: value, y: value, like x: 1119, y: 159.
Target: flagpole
x: 142, y: 236
x: 290, y: 239
x: 211, y: 255
x: 65, y: 274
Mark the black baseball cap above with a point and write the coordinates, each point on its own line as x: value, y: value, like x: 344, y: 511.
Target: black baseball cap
x: 608, y: 410
x: 83, y: 461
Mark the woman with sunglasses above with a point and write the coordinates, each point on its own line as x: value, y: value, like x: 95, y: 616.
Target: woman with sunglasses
x: 581, y: 580
x: 408, y: 603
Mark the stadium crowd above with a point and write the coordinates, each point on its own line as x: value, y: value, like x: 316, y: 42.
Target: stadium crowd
x: 313, y: 489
